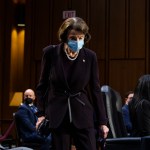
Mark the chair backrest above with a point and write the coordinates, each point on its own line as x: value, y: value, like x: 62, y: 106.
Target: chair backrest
x: 20, y: 142
x: 18, y: 139
x: 113, y: 104
x: 117, y: 139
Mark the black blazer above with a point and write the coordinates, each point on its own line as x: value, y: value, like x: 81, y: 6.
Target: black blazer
x: 60, y: 93
x: 140, y: 118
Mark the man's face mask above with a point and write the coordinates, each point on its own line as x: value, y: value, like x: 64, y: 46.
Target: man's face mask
x: 75, y: 45
x: 28, y: 100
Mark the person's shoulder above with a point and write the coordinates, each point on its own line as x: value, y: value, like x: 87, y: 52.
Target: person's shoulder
x: 89, y: 51
x: 22, y: 107
x: 20, y: 112
x: 52, y: 50
x: 143, y: 106
x: 145, y: 103
x: 49, y: 48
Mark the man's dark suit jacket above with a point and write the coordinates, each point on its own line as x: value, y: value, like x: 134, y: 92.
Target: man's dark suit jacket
x: 126, y: 118
x: 60, y: 92
x: 26, y: 121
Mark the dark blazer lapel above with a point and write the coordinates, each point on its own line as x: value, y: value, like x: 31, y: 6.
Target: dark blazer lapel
x: 59, y: 66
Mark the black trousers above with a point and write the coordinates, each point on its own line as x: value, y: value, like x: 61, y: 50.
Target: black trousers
x: 67, y: 134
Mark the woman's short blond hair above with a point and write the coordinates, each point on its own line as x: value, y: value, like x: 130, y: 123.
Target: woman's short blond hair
x: 75, y: 23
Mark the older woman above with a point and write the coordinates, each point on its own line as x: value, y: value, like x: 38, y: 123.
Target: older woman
x: 69, y: 71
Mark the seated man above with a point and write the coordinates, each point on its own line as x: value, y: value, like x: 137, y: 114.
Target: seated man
x: 26, y: 121
x: 125, y: 112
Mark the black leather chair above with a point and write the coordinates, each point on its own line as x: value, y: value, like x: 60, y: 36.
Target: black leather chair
x: 20, y: 142
x: 113, y: 103
x: 117, y: 138
x: 145, y: 143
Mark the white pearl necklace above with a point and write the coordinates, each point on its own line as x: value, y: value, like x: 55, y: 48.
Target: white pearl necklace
x: 70, y: 57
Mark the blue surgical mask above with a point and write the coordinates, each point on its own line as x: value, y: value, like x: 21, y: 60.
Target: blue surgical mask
x: 75, y: 45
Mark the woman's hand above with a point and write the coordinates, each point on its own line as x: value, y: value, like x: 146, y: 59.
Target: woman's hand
x: 40, y: 119
x: 104, y: 131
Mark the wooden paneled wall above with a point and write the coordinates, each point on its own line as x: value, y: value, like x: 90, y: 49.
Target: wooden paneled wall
x: 119, y: 30
x: 120, y: 37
